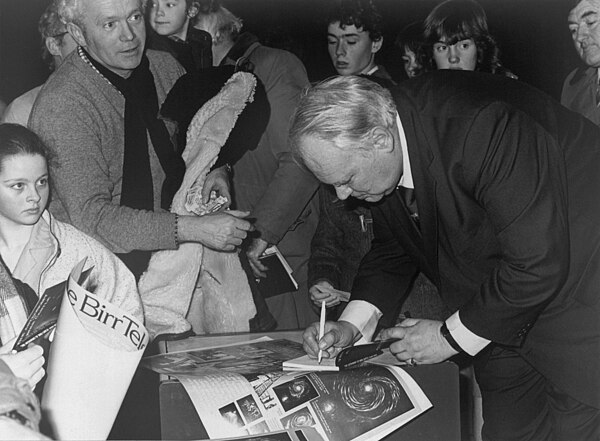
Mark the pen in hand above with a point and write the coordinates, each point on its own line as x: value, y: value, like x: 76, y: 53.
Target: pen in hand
x: 321, y: 329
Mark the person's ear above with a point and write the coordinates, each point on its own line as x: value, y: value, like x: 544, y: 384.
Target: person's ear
x: 376, y: 45
x: 52, y: 46
x: 193, y: 10
x: 77, y: 34
x: 381, y: 139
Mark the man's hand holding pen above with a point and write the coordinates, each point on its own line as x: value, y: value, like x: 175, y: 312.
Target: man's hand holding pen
x: 337, y: 335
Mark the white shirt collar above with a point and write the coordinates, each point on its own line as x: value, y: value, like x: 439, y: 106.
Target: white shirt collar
x: 406, y: 180
x: 371, y: 71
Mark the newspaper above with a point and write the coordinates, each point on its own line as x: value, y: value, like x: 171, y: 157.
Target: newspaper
x: 95, y: 352
x: 235, y: 396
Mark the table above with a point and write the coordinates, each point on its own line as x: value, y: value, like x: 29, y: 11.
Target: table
x: 179, y: 420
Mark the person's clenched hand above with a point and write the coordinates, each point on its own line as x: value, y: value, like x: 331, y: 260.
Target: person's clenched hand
x: 221, y: 231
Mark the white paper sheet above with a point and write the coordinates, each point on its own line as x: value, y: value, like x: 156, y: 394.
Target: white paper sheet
x: 93, y: 357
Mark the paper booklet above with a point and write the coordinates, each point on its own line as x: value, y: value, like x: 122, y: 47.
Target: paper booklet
x: 377, y: 352
x: 249, y: 396
x: 44, y: 315
x: 95, y: 352
x: 279, y: 274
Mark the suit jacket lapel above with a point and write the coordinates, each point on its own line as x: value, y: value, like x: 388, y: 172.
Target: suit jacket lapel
x: 421, y: 160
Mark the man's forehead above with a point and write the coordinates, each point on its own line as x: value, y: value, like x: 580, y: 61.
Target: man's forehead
x: 583, y: 10
x: 110, y: 8
x: 338, y: 30
x: 323, y: 157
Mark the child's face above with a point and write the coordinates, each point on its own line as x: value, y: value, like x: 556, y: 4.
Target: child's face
x: 24, y: 189
x: 411, y: 65
x: 169, y: 17
x: 461, y: 55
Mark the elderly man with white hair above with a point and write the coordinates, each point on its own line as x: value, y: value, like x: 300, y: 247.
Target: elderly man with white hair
x: 485, y: 185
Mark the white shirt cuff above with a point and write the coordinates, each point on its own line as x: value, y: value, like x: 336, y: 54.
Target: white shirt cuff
x: 364, y: 316
x: 469, y: 342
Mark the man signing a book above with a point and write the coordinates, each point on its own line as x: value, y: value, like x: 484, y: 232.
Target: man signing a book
x: 503, y: 219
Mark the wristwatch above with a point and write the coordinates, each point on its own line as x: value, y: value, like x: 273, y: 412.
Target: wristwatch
x: 446, y: 334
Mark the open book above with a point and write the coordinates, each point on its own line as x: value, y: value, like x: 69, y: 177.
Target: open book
x: 250, y: 394
x: 376, y: 352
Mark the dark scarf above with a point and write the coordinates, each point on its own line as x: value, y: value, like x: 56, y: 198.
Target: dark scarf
x: 141, y: 119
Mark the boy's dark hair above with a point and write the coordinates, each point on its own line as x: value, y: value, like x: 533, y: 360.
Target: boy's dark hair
x: 360, y: 13
x: 456, y: 20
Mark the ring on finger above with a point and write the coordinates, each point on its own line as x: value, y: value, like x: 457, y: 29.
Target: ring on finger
x: 411, y: 362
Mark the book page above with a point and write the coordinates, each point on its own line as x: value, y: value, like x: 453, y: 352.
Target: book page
x: 306, y: 363
x: 377, y: 399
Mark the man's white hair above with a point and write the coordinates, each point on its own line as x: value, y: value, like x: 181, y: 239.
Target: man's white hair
x: 343, y: 110
x: 72, y: 11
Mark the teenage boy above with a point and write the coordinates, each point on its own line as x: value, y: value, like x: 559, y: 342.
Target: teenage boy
x: 354, y: 36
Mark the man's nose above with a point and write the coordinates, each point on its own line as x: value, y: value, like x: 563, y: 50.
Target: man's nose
x: 159, y: 11
x: 343, y: 192
x: 340, y: 49
x: 581, y: 34
x: 127, y: 33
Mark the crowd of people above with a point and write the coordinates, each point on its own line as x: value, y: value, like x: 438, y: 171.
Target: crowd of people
x: 455, y: 208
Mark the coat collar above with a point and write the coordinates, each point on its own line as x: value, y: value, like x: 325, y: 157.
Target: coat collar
x: 41, y: 249
x: 422, y: 160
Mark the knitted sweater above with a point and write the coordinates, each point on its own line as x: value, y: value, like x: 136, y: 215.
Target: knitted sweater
x: 80, y: 116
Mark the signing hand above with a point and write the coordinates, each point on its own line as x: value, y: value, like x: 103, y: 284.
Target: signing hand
x: 254, y: 251
x: 217, y: 181
x: 420, y: 340
x: 338, y: 335
x: 26, y: 364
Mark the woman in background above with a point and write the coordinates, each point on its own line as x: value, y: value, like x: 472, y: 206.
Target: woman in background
x: 457, y: 36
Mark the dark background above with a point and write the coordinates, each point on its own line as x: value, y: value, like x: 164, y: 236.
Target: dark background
x: 532, y: 34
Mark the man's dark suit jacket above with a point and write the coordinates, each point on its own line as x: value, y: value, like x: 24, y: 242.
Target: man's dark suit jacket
x: 508, y: 191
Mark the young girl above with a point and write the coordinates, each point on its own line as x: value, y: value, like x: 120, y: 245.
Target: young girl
x: 457, y: 34
x: 39, y: 251
x: 411, y: 44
